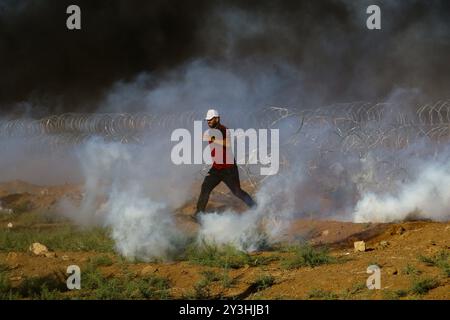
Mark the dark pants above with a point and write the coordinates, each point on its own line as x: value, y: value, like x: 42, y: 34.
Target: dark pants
x: 230, y: 177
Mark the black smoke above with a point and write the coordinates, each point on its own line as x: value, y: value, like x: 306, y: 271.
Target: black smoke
x: 45, y: 68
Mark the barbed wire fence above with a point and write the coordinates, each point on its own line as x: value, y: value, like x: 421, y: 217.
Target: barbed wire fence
x: 357, y: 129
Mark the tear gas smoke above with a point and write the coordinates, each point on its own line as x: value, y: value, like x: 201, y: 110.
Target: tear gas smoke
x: 425, y: 197
x: 287, y: 65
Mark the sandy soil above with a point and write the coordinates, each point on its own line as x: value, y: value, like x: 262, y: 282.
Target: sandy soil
x: 392, y: 246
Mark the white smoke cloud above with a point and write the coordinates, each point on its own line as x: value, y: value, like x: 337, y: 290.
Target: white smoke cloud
x: 140, y: 190
x: 142, y: 223
x: 264, y: 225
x: 200, y: 85
x: 134, y: 191
x: 427, y: 197
x: 34, y: 161
x: 140, y: 211
x: 141, y: 228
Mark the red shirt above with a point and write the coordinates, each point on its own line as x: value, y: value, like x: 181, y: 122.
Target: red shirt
x: 225, y: 151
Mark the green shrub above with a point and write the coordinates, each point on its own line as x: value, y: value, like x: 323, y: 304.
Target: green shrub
x: 263, y: 282
x: 318, y: 294
x: 422, y: 286
x: 308, y: 256
x: 64, y: 238
x: 440, y: 260
x: 225, y: 256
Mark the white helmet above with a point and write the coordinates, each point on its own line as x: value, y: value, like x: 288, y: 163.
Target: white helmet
x: 212, y: 113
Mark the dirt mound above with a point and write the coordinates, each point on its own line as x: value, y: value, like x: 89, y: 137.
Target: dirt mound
x: 18, y: 186
x: 20, y: 196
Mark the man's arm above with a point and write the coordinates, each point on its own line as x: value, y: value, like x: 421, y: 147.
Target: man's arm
x: 225, y: 142
x: 211, y: 138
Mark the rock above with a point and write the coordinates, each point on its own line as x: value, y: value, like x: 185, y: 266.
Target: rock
x: 65, y: 258
x: 38, y: 249
x: 10, y: 225
x: 325, y: 233
x: 359, y: 246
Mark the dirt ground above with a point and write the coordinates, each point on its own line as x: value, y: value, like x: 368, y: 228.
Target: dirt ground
x: 397, y: 248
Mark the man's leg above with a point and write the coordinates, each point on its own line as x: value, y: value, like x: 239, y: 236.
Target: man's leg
x: 231, y: 179
x: 210, y: 182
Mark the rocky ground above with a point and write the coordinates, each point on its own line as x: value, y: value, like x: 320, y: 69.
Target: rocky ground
x: 319, y: 261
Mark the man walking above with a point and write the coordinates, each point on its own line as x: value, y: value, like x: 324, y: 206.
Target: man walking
x: 224, y: 166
